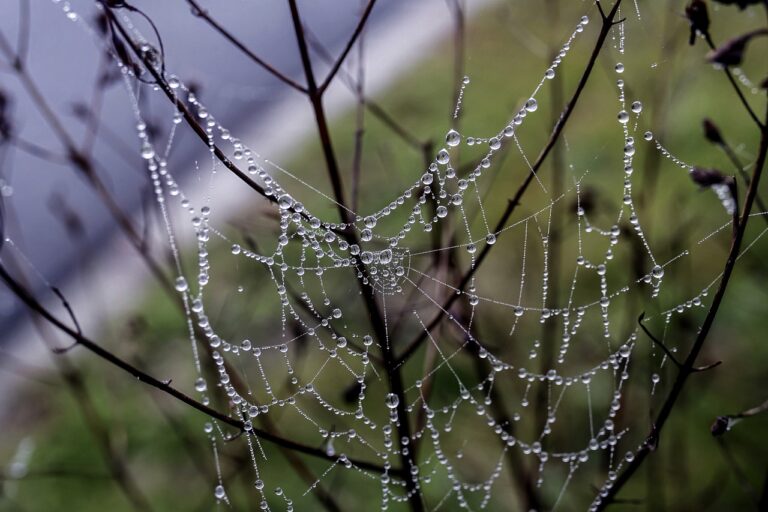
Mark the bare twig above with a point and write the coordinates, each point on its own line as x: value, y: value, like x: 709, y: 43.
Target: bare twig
x: 198, y: 11
x: 668, y: 352
x: 355, y: 35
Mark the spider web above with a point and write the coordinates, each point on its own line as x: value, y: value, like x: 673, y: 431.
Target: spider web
x: 292, y: 343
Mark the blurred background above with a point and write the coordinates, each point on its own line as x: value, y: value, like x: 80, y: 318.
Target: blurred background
x: 78, y: 434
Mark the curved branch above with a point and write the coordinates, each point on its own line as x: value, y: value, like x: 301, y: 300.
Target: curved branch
x: 33, y: 304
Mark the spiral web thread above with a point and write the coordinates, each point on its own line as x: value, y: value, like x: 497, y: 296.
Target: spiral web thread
x: 307, y: 259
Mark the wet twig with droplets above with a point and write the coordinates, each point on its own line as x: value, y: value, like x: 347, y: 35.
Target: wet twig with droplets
x: 608, y: 22
x: 394, y: 377
x: 26, y: 296
x: 688, y: 368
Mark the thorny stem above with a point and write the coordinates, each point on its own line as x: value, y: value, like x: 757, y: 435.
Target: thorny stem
x: 687, y: 368
x: 607, y: 24
x: 25, y: 295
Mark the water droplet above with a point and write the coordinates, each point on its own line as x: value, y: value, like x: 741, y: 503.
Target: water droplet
x: 219, y: 492
x: 181, y: 284
x: 200, y: 384
x: 443, y: 157
x: 531, y: 105
x: 619, y: 67
x: 392, y: 400
x: 657, y: 271
x: 453, y: 138
x: 637, y: 107
x: 623, y: 117
x: 147, y: 151
x: 285, y: 201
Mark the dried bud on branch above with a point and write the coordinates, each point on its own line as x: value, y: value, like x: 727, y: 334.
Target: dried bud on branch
x: 732, y: 52
x: 712, y: 132
x: 698, y: 17
x: 721, y: 425
x: 723, y: 186
x: 706, y: 178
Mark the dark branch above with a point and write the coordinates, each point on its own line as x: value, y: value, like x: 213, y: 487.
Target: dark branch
x: 33, y: 304
x: 348, y: 47
x: 202, y: 13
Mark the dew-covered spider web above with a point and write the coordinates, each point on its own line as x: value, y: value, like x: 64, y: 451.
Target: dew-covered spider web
x: 506, y: 392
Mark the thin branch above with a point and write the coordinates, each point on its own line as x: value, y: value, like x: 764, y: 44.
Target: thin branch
x: 729, y: 75
x: 358, y: 31
x: 377, y: 110
x: 515, y: 201
x: 668, y: 352
x: 32, y: 303
x: 203, y: 13
x: 725, y: 423
x: 22, y: 42
x: 733, y: 157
